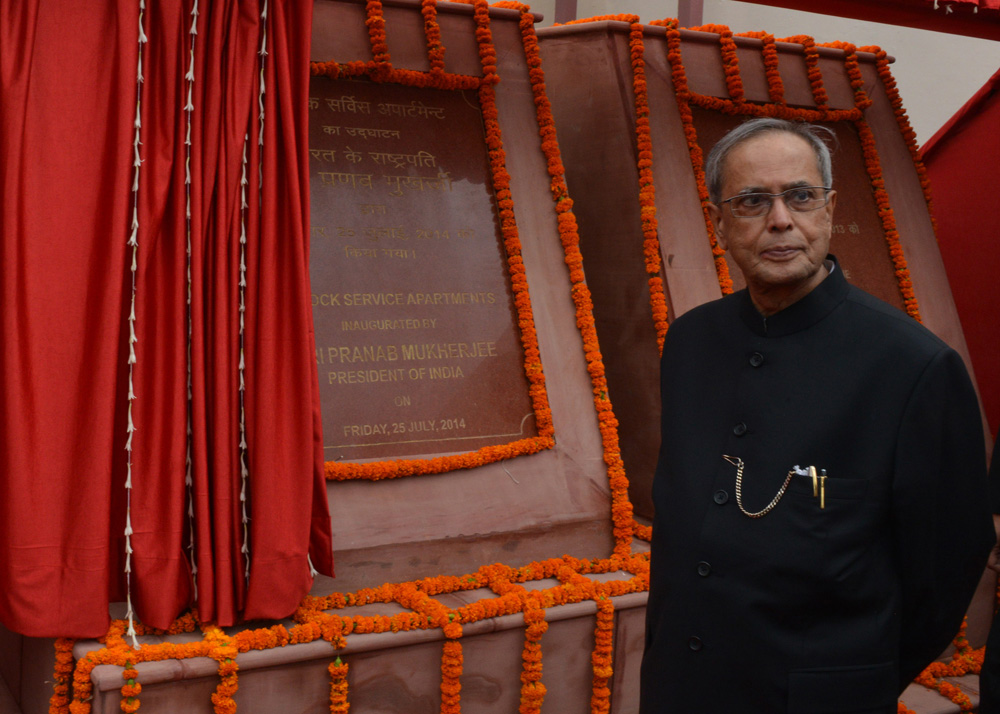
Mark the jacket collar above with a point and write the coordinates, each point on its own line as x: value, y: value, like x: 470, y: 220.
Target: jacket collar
x: 819, y: 303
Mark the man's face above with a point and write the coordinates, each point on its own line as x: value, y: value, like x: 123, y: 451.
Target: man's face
x: 781, y: 252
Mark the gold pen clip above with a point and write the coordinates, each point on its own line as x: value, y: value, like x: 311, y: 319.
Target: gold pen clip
x: 812, y: 473
x: 822, y: 489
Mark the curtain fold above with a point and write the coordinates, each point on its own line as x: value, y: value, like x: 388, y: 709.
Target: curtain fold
x: 68, y: 98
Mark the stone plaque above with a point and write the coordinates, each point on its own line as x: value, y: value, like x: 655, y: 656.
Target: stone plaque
x: 858, y: 238
x: 417, y: 341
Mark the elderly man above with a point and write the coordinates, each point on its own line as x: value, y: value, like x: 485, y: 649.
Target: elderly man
x: 821, y: 512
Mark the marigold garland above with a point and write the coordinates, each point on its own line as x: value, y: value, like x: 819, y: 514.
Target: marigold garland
x: 532, y: 689
x: 909, y: 135
x: 224, y: 651
x: 131, y: 689
x: 338, y: 687
x: 451, y: 673
x: 769, y: 53
x: 62, y: 676
x: 812, y: 68
x: 684, y: 99
x: 435, y: 50
x: 730, y: 61
x: 647, y: 190
x: 601, y: 659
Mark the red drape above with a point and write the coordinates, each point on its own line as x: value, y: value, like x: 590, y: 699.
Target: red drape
x: 961, y: 160
x: 68, y: 97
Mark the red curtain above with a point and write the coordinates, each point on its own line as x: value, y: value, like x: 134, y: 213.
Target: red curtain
x: 961, y: 160
x: 70, y: 195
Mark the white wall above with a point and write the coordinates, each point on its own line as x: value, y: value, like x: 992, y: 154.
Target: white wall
x: 936, y: 72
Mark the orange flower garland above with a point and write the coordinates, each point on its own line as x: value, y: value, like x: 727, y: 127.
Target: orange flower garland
x: 647, y: 191
x: 601, y: 659
x: 224, y: 651
x: 684, y: 97
x: 338, y: 687
x: 131, y: 689
x: 965, y: 660
x: 532, y: 689
x: 376, y: 36
x: 425, y: 613
x: 61, y: 676
x: 812, y: 69
x: 451, y: 671
x: 435, y: 50
x: 769, y: 52
x: 909, y: 135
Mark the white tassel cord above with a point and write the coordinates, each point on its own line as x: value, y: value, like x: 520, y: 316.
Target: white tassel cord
x: 188, y: 463
x: 244, y: 471
x: 133, y: 242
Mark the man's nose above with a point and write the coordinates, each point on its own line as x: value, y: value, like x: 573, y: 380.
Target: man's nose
x: 779, y: 218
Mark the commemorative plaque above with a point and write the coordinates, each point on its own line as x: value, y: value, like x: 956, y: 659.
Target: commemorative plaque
x: 417, y: 342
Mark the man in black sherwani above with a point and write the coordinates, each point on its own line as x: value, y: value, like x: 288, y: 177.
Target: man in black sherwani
x: 821, y: 506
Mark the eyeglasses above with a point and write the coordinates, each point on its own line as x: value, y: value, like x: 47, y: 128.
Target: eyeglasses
x: 799, y: 199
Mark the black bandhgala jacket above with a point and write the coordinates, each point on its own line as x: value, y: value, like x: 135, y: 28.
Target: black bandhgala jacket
x: 810, y: 609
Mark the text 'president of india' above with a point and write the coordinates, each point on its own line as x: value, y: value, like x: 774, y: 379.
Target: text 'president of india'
x: 821, y: 504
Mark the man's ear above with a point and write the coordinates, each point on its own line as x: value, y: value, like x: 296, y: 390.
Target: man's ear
x: 715, y: 213
x: 832, y: 204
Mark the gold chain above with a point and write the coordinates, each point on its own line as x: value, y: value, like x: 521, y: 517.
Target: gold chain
x: 738, y: 463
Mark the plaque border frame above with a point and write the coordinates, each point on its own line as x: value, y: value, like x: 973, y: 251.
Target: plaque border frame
x: 380, y: 70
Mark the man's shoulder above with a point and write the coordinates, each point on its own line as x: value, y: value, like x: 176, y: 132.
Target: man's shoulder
x: 704, y: 316
x: 866, y: 312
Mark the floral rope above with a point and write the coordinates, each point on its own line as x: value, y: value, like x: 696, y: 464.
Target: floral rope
x: 601, y: 659
x: 909, y: 135
x: 532, y: 690
x: 451, y: 672
x: 62, y: 676
x: 224, y: 651
x: 684, y: 97
x: 338, y: 687
x: 769, y: 53
x: 813, y: 72
x: 432, y: 31
x: 647, y: 191
x: 130, y: 689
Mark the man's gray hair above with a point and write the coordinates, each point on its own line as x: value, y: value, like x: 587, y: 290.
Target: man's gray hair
x: 816, y: 135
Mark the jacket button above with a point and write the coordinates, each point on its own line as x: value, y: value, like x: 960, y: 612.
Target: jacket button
x: 756, y: 359
x: 704, y: 569
x: 740, y: 429
x: 694, y: 643
x: 720, y: 496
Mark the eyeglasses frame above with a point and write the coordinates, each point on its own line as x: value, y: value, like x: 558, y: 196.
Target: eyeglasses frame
x: 826, y: 195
